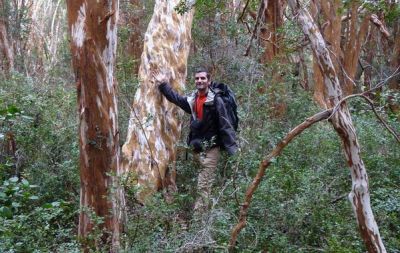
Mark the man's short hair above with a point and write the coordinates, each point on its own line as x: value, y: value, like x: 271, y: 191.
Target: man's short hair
x: 202, y: 69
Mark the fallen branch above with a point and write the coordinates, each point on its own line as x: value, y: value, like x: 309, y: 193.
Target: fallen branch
x: 264, y: 165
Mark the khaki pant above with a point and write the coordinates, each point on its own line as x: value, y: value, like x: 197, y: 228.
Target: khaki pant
x: 208, y: 161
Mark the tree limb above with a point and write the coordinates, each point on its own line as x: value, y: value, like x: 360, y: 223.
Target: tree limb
x: 264, y: 165
x: 371, y: 103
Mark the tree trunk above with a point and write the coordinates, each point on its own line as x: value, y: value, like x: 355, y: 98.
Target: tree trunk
x: 273, y: 21
x: 6, y: 50
x: 154, y: 128
x: 135, y: 44
x: 93, y: 31
x: 394, y: 83
x: 357, y: 34
x: 271, y: 41
x: 341, y: 121
x: 332, y: 28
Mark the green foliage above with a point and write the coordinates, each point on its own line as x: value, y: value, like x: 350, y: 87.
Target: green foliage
x: 29, y: 227
x: 38, y: 208
x: 14, y: 196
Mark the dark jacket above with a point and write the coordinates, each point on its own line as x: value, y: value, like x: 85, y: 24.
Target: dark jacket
x: 214, y: 129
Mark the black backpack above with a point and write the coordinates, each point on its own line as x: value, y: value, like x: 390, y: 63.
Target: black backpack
x: 228, y: 97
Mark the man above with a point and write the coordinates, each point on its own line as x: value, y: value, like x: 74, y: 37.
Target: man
x: 210, y: 129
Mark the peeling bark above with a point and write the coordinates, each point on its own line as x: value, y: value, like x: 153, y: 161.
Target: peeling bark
x: 342, y: 123
x: 332, y: 28
x: 154, y: 128
x: 93, y: 44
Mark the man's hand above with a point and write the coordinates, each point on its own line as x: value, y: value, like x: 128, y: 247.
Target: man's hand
x: 160, y: 77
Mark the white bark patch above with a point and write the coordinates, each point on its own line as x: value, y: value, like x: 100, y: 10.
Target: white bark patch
x: 77, y: 30
x: 83, y: 131
x: 159, y: 145
x: 110, y: 139
x: 113, y: 119
x: 99, y: 105
x: 141, y: 137
x: 100, y: 83
x: 109, y: 52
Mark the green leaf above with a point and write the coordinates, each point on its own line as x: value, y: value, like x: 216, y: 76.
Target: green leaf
x: 15, y: 204
x: 13, y: 179
x: 47, y: 205
x: 34, y: 197
x: 56, y: 204
x: 27, y: 117
x: 6, y: 212
x: 25, y: 182
x: 3, y: 195
x: 12, y: 109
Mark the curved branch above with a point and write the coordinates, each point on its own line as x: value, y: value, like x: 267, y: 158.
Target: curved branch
x: 371, y: 103
x: 264, y: 165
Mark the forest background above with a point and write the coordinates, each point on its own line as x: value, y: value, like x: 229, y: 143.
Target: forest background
x: 259, y: 49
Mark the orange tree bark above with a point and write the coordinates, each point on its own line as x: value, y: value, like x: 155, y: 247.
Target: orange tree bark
x: 273, y: 21
x: 352, y: 48
x: 342, y: 123
x: 344, y: 49
x: 271, y: 40
x: 154, y: 126
x: 93, y: 29
x: 134, y: 20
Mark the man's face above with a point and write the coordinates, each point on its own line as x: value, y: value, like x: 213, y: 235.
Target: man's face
x: 201, y: 81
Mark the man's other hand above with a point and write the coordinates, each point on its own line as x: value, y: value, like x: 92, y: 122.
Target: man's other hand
x: 160, y: 76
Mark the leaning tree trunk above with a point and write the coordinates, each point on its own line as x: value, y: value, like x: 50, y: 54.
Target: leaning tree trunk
x: 154, y: 128
x: 93, y: 44
x: 341, y: 121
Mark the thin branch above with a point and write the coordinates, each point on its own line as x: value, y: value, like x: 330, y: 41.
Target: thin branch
x: 244, y: 9
x: 260, y: 12
x: 264, y: 165
x: 339, y: 198
x: 378, y: 86
x: 371, y: 103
